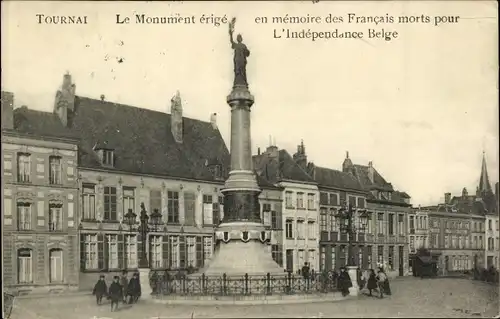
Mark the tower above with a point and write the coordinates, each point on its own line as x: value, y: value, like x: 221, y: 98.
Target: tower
x: 241, y: 235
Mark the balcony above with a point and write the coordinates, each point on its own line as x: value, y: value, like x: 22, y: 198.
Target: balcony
x: 55, y: 227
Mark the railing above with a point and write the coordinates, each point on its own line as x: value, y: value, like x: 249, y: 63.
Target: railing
x: 286, y: 284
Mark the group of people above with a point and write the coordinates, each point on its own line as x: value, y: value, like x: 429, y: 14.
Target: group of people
x: 121, y: 289
x: 375, y: 282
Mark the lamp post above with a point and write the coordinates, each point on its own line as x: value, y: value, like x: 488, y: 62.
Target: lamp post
x: 346, y: 220
x: 144, y: 229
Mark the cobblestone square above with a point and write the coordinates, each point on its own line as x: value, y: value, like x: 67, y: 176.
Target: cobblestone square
x: 411, y: 297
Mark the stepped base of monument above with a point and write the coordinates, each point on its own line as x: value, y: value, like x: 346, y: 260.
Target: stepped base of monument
x: 251, y: 299
x: 237, y: 258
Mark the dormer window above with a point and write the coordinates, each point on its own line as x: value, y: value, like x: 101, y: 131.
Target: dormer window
x: 107, y: 157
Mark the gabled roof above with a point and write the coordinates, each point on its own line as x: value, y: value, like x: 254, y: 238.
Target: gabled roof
x: 336, y: 179
x: 280, y: 168
x: 140, y: 138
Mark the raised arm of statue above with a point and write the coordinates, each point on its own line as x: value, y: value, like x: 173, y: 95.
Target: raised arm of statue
x: 231, y: 30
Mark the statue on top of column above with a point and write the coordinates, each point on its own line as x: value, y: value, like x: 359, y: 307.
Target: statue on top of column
x: 241, y: 53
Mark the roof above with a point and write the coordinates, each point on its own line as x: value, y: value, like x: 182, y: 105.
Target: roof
x: 140, y: 138
x: 361, y: 171
x: 333, y: 178
x: 280, y: 166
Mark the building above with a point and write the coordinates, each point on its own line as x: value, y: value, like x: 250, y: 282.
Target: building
x: 418, y: 233
x: 40, y: 203
x: 489, y: 201
x: 300, y: 206
x: 389, y: 209
x: 128, y: 156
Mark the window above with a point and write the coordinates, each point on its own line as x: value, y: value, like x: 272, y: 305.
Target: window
x: 334, y: 257
x: 25, y: 266
x: 207, y: 249
x: 107, y: 157
x: 110, y: 203
x: 454, y: 243
x: 55, y: 170
x: 56, y: 265
x: 380, y: 223
x: 490, y: 225
x: 412, y: 222
x: 481, y: 243
x: 323, y: 198
x: 90, y: 245
x: 300, y: 229
x: 207, y: 210
x: 191, y: 251
x: 275, y: 220
x: 311, y: 257
x: 323, y: 221
x: 300, y: 200
x: 322, y: 258
x: 156, y: 251
x: 266, y: 214
x: 334, y: 200
x: 23, y: 168
x: 175, y: 252
x: 55, y: 217
x: 380, y: 254
x: 24, y: 216
x: 131, y: 251
x: 352, y: 201
x: 310, y: 201
x: 412, y: 243
x: 173, y: 207
x: 467, y: 242
x: 333, y: 221
x: 311, y: 230
x: 343, y: 256
x: 189, y: 209
x: 112, y: 252
x: 288, y: 200
x: 446, y: 241
x: 369, y: 257
x: 436, y: 240
x: 155, y: 200
x: 391, y: 224
x: 277, y: 254
x: 301, y: 260
x: 89, y: 202
x: 369, y: 224
x: 289, y: 228
x: 401, y: 225
x: 128, y: 199
x: 361, y: 202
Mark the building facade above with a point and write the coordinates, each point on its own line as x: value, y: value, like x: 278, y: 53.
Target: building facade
x: 40, y: 208
x: 129, y: 156
x: 299, y: 207
x: 389, y: 210
x: 418, y: 233
x: 271, y: 205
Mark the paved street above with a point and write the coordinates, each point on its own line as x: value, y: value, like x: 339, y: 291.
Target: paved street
x: 412, y: 298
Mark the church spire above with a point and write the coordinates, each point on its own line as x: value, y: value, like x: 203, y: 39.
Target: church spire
x: 484, y: 182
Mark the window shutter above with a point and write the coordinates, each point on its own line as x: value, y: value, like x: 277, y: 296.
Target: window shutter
x: 82, y: 252
x: 199, y: 252
x: 165, y: 252
x: 182, y: 248
x: 100, y: 251
x: 105, y: 252
x: 121, y: 255
x: 216, y: 213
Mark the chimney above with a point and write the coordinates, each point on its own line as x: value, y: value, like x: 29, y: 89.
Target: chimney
x: 447, y: 198
x: 103, y: 97
x: 300, y: 157
x: 7, y: 110
x: 464, y: 193
x: 213, y: 120
x: 176, y: 117
x: 371, y: 171
x: 65, y: 99
x: 258, y: 150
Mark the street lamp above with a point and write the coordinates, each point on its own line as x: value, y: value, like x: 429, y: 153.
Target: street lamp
x: 345, y: 219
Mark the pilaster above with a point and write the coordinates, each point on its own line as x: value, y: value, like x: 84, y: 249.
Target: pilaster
x: 119, y: 201
x: 182, y: 212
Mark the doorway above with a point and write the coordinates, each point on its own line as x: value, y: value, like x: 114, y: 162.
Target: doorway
x: 401, y: 261
x: 289, y: 260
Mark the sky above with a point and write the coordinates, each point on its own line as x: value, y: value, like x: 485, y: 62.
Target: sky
x: 422, y: 107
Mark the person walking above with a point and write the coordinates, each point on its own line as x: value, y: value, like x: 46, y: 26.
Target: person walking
x: 381, y: 279
x: 124, y: 284
x: 133, y: 289
x: 115, y: 293
x: 372, y: 282
x: 100, y: 289
x: 344, y: 281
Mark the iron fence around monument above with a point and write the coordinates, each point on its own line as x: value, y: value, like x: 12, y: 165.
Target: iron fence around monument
x: 202, y: 285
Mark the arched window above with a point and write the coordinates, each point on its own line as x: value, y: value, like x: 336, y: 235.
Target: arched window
x: 25, y: 266
x: 56, y: 265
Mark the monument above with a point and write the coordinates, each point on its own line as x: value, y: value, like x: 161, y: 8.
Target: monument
x: 242, y: 236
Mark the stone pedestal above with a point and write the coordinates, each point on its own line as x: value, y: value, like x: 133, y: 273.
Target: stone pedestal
x: 146, y: 290
x: 353, y: 273
x: 242, y: 251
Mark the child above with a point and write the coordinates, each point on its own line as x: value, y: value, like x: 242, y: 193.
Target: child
x: 100, y: 289
x: 115, y: 293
